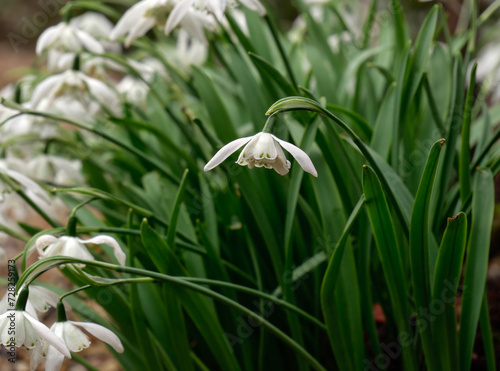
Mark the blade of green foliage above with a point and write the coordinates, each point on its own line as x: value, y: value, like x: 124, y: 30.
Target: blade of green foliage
x: 419, y: 248
x: 483, y: 196
x: 176, y: 334
x: 446, y: 278
x: 421, y: 50
x: 381, y: 141
x: 268, y: 71
x: 390, y: 257
x: 464, y: 158
x: 487, y: 334
x: 219, y: 116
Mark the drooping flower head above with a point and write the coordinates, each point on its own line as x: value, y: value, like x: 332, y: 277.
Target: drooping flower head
x: 74, y: 95
x: 48, y: 245
x: 263, y: 150
x: 28, y: 332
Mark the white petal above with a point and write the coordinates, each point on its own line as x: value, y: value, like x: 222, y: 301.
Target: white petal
x: 254, y: 5
x: 42, y: 298
x: 98, y: 240
x: 88, y: 42
x: 46, y: 89
x: 301, y: 157
x: 47, y: 335
x: 140, y: 28
x: 36, y: 357
x: 74, y: 338
x: 129, y: 19
x: 226, y: 151
x: 46, y: 38
x: 102, y: 333
x: 178, y: 13
x: 44, y: 241
x: 54, y: 359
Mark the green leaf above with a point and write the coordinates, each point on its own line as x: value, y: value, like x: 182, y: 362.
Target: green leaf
x: 268, y: 71
x: 483, y: 202
x: 446, y: 278
x: 197, y: 307
x: 420, y: 246
x: 346, y: 341
x: 219, y: 116
x: 464, y: 158
x: 390, y: 258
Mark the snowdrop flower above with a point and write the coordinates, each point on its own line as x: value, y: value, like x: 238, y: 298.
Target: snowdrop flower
x: 190, y: 19
x: 99, y: 27
x: 133, y: 90
x: 48, y: 245
x: 140, y: 18
x: 263, y: 150
x: 55, y: 169
x: 39, y: 299
x: 74, y: 95
x: 29, y: 332
x: 63, y: 39
x: 31, y: 188
x: 76, y: 340
x: 191, y: 15
x: 190, y: 52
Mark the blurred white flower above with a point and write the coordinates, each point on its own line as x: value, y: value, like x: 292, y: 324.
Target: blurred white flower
x: 29, y: 332
x: 55, y: 169
x: 13, y: 124
x: 36, y: 193
x: 191, y: 19
x: 140, y: 18
x: 263, y: 150
x: 194, y: 16
x: 134, y: 90
x: 76, y: 340
x: 74, y: 95
x: 488, y: 69
x: 48, y: 245
x: 65, y: 39
x: 190, y: 51
x: 98, y: 26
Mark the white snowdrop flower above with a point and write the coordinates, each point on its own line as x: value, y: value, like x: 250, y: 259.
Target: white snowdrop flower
x: 13, y: 124
x: 55, y: 169
x: 263, y: 150
x: 39, y: 299
x: 140, y: 18
x: 133, y: 90
x: 76, y: 340
x: 29, y: 332
x: 30, y: 187
x: 65, y: 37
x: 48, y: 245
x: 190, y: 19
x: 74, y: 95
x: 90, y: 65
x: 190, y: 52
x: 191, y: 15
x: 98, y: 26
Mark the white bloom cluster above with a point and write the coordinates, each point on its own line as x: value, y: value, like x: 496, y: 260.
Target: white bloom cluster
x: 20, y: 327
x: 193, y: 16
